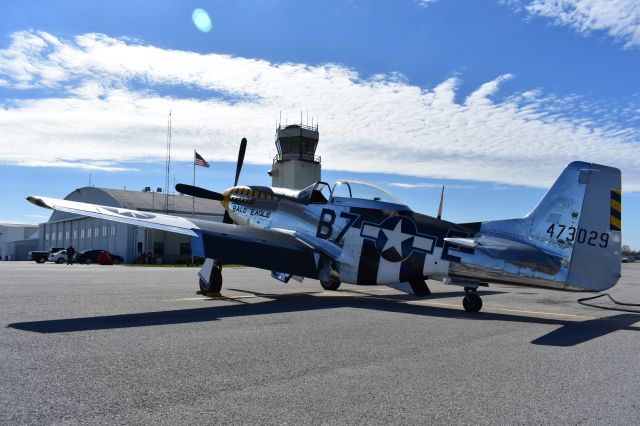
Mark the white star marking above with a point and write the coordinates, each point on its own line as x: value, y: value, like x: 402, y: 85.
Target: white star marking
x: 395, y: 238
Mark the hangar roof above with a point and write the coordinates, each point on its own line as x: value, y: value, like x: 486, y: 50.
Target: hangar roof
x: 155, y: 201
x: 180, y: 205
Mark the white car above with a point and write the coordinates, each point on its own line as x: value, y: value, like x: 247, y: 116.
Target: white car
x: 58, y: 257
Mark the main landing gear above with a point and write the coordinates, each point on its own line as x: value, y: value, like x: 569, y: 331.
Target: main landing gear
x: 210, y: 277
x: 332, y: 283
x: 471, y: 302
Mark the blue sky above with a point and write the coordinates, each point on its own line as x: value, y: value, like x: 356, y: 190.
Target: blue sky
x: 492, y: 98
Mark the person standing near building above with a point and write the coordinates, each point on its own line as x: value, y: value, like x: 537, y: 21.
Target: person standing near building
x: 70, y: 253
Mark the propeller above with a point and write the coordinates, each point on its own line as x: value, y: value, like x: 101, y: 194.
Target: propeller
x: 196, y: 191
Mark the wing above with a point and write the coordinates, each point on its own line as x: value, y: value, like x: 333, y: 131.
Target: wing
x: 163, y: 222
x: 261, y: 248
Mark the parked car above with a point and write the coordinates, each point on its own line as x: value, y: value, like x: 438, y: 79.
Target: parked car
x: 42, y: 256
x: 91, y: 256
x: 628, y: 259
x: 58, y: 257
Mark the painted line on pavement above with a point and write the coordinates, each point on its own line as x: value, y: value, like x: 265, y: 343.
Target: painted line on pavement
x: 491, y: 308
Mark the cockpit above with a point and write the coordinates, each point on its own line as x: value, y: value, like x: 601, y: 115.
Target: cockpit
x: 362, y: 191
x: 346, y: 192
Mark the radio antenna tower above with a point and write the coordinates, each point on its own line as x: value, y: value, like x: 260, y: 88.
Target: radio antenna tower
x: 168, y: 166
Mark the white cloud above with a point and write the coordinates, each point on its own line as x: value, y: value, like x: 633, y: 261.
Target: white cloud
x: 619, y: 19
x: 425, y: 3
x: 104, y: 111
x: 421, y: 185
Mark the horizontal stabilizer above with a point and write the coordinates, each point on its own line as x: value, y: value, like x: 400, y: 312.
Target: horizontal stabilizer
x: 463, y: 242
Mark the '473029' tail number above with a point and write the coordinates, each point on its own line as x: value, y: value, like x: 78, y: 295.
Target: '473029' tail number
x: 579, y: 235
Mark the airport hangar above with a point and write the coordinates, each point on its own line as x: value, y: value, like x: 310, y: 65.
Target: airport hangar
x: 295, y: 166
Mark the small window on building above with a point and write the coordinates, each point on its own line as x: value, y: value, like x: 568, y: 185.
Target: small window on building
x: 75, y: 234
x: 158, y: 248
x: 104, y: 230
x: 113, y: 230
x: 96, y: 232
x: 66, y: 235
x: 89, y: 233
x: 53, y: 236
x: 60, y: 235
x: 185, y: 249
x: 82, y: 233
x: 46, y: 236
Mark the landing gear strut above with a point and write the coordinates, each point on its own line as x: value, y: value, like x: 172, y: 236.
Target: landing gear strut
x: 210, y: 277
x: 471, y: 302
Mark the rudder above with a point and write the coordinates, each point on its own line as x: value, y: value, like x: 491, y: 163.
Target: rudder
x: 595, y: 263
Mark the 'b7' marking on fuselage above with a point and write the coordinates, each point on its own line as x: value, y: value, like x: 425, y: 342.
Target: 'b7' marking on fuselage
x: 328, y: 218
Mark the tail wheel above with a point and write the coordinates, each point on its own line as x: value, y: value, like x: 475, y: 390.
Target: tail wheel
x: 472, y: 302
x: 332, y: 284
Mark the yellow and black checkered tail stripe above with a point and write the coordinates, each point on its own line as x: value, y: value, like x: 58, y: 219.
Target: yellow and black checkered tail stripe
x: 616, y: 210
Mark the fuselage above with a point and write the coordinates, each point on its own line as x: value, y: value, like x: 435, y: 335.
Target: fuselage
x: 381, y: 242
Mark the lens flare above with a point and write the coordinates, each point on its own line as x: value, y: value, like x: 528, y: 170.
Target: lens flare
x: 201, y: 20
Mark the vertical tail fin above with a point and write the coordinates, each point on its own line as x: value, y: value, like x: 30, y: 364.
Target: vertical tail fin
x: 580, y: 218
x: 578, y: 222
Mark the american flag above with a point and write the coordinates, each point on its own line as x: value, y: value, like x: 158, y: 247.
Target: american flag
x: 201, y: 161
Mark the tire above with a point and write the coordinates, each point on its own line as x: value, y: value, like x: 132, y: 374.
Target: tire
x: 41, y: 260
x: 333, y: 284
x: 215, y: 282
x: 88, y: 261
x: 420, y: 288
x: 60, y: 261
x: 472, y: 302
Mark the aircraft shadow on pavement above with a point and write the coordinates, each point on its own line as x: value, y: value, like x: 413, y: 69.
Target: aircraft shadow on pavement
x: 570, y: 333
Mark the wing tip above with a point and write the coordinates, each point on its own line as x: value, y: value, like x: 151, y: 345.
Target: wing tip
x: 37, y: 201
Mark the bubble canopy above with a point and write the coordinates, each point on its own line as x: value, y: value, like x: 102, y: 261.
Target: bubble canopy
x: 363, y: 191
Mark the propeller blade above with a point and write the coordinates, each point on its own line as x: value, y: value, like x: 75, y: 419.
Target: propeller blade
x: 196, y: 191
x: 243, y: 148
x: 227, y: 218
x: 441, y: 203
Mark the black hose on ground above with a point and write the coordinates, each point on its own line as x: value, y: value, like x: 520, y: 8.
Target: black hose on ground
x: 585, y: 299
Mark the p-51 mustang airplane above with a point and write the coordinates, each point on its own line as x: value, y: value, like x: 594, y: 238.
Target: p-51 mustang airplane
x: 360, y: 234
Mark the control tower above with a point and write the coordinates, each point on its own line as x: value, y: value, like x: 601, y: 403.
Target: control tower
x: 296, y: 165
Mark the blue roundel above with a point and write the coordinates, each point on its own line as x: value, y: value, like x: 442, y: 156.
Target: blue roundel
x: 395, y: 238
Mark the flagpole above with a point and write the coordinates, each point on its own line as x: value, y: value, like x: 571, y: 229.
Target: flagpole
x: 193, y: 199
x: 193, y: 208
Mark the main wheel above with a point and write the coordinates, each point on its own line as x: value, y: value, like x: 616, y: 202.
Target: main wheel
x: 333, y: 283
x: 472, y: 302
x: 420, y: 287
x: 215, y: 282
